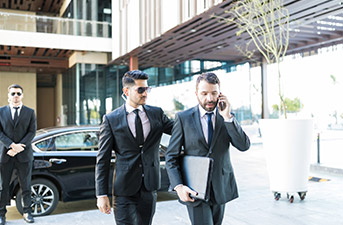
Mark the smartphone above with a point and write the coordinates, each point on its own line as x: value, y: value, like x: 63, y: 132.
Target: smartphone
x: 221, y: 104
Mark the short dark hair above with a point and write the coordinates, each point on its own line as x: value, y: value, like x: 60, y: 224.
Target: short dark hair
x: 209, y: 78
x: 15, y: 86
x: 130, y: 77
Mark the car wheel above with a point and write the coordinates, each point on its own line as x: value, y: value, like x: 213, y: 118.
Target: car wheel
x: 44, y: 197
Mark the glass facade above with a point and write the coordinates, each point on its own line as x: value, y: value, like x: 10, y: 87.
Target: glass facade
x: 183, y: 72
x: 90, y: 91
x: 98, y: 11
x: 242, y: 86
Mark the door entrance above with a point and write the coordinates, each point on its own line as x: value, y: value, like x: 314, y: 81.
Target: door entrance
x: 45, y: 107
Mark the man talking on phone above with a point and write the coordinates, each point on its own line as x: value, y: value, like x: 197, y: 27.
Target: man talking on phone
x: 133, y: 131
x: 207, y: 129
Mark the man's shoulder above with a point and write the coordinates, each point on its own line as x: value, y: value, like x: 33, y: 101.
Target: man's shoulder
x: 116, y: 112
x: 28, y: 108
x: 187, y: 112
x: 152, y: 108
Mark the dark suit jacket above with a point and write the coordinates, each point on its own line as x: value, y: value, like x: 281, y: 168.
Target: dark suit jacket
x: 22, y: 132
x: 187, y: 133
x: 131, y: 161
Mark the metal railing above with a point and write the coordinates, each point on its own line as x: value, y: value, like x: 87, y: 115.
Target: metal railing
x: 54, y: 25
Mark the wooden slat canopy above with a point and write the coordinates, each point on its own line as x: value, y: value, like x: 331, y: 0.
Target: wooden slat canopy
x: 316, y: 23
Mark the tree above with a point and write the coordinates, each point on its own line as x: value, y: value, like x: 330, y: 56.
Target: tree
x: 292, y: 105
x: 267, y: 24
x: 178, y: 105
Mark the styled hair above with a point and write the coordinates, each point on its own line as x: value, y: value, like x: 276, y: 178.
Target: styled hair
x: 15, y: 86
x: 129, y: 77
x: 209, y: 78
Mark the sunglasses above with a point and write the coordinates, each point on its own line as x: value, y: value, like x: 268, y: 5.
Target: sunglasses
x: 141, y: 90
x: 18, y: 93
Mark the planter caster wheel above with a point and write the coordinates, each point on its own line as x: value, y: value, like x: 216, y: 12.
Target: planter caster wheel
x: 302, y: 195
x: 290, y: 198
x: 277, y: 196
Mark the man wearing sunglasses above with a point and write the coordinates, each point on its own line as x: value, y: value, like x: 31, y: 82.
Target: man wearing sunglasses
x: 133, y: 131
x: 17, y: 129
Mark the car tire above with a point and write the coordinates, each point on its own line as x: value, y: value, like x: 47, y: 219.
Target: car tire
x: 44, y: 196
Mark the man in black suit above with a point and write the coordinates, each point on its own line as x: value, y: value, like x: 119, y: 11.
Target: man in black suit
x: 134, y: 132
x: 206, y: 130
x: 17, y: 129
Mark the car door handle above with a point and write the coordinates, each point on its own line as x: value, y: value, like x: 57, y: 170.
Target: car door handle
x: 57, y: 161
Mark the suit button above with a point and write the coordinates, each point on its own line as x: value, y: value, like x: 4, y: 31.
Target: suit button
x: 140, y: 165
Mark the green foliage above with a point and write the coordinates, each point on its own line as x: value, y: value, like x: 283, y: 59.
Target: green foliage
x: 178, y: 105
x: 291, y: 106
x: 333, y: 78
x: 275, y: 108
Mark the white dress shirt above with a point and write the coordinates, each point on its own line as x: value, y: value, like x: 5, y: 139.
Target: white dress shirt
x: 203, y: 119
x: 13, y: 110
x: 131, y: 116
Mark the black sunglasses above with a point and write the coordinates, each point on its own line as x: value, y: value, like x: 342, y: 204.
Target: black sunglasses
x: 141, y: 90
x: 18, y: 93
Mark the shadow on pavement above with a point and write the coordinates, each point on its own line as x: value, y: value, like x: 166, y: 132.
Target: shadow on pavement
x: 78, y: 206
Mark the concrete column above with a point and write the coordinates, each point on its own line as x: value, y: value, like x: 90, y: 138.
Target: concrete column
x: 264, y: 79
x: 134, y: 62
x: 94, y: 16
x: 76, y: 25
x: 58, y: 101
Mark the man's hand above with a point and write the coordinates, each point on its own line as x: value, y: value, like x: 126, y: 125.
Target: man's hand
x: 226, y: 112
x: 11, y: 153
x: 18, y: 147
x: 184, y: 193
x: 103, y: 204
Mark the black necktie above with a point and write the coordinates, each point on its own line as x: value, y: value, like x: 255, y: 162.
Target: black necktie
x: 15, y: 118
x: 139, y: 128
x: 210, y: 127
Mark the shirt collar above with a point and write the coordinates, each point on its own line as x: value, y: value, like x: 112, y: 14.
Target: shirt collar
x: 203, y: 111
x: 20, y: 106
x: 129, y: 108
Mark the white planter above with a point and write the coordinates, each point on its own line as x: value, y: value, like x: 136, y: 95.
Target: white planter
x: 287, y: 145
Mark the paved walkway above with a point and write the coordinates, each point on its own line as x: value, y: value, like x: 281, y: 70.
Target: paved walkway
x: 255, y: 206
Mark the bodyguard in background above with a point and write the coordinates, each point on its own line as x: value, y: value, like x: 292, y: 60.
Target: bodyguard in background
x: 134, y: 132
x: 17, y: 129
x: 206, y: 130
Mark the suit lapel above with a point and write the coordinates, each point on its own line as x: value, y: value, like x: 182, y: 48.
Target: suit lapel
x: 125, y: 124
x: 21, y: 114
x: 9, y: 114
x: 196, y: 119
x: 218, y: 126
x: 150, y: 116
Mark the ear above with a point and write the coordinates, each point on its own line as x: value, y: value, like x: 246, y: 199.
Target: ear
x: 126, y: 91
